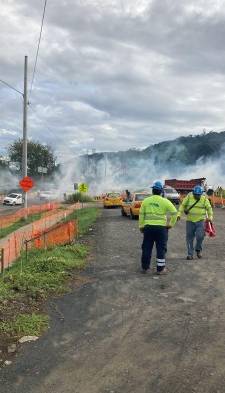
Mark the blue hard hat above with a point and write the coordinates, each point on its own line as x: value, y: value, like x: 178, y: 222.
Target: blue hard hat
x: 157, y: 185
x: 198, y: 190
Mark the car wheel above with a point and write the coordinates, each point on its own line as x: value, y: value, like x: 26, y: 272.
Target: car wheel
x: 132, y: 215
x: 123, y: 213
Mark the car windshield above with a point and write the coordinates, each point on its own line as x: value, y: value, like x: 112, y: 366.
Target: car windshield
x: 114, y: 195
x: 12, y: 195
x: 141, y: 197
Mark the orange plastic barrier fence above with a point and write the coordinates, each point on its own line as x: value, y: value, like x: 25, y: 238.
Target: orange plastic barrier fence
x: 14, y: 243
x: 217, y: 201
x: 10, y: 219
x: 60, y: 234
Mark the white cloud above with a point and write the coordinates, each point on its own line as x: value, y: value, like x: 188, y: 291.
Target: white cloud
x: 113, y: 74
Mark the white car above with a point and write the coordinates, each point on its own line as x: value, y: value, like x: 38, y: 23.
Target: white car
x: 13, y: 199
x: 171, y: 194
x: 48, y: 195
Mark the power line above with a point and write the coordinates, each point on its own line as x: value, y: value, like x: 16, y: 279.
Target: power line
x: 11, y: 87
x: 39, y: 41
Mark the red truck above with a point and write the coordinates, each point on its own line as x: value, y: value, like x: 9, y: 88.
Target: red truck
x: 185, y: 186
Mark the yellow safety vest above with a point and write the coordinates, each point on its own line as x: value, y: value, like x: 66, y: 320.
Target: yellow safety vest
x: 199, y: 212
x: 154, y: 210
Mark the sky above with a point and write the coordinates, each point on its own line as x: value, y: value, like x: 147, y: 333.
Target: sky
x: 112, y: 74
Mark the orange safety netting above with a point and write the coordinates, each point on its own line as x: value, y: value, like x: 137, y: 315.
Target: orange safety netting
x: 10, y: 219
x: 60, y: 234
x: 217, y: 201
x: 13, y: 245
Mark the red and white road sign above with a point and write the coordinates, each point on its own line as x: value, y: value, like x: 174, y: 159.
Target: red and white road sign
x: 26, y: 183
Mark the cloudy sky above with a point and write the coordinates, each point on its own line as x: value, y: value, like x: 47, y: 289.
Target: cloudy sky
x: 113, y: 74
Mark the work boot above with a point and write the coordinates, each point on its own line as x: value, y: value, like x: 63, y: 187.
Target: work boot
x: 189, y: 257
x: 199, y: 254
x: 144, y: 271
x: 163, y: 272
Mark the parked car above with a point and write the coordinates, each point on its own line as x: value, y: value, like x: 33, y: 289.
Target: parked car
x: 48, y: 195
x: 131, y: 207
x: 13, y: 199
x: 112, y: 199
x: 172, y: 194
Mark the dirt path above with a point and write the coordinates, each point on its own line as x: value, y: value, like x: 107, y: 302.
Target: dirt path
x: 127, y: 333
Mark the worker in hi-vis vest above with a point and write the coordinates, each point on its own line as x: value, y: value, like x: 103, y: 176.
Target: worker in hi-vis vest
x: 153, y: 224
x: 197, y: 208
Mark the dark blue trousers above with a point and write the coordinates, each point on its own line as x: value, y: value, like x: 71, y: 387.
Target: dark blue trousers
x: 158, y: 235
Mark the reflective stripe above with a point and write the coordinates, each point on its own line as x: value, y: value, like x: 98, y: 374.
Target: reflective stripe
x: 196, y: 214
x: 161, y: 263
x: 161, y: 260
x: 153, y: 217
x: 156, y: 214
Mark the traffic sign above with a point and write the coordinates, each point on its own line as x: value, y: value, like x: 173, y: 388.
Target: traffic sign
x: 42, y: 169
x: 26, y: 183
x: 83, y: 187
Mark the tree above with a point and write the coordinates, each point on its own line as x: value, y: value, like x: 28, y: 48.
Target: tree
x: 37, y: 155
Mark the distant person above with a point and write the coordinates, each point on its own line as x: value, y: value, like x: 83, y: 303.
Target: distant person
x: 128, y: 195
x: 197, y: 208
x: 153, y: 224
x: 210, y: 194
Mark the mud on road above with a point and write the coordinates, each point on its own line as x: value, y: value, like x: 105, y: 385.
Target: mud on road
x: 124, y: 332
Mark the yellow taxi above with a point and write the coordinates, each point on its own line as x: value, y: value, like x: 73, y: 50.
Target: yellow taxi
x: 112, y: 199
x: 131, y: 207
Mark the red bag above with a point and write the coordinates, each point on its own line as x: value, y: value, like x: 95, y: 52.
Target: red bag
x: 210, y: 229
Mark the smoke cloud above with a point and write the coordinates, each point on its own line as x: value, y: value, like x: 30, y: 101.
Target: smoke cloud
x: 137, y: 170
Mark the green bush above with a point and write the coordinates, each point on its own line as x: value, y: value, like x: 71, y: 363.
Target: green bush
x: 79, y: 197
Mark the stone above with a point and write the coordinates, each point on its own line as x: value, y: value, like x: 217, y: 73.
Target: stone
x: 26, y: 339
x: 7, y: 362
x: 12, y: 348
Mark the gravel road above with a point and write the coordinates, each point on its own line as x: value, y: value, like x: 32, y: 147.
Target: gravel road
x: 123, y: 332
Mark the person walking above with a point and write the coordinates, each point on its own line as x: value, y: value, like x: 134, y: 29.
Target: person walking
x: 153, y: 224
x: 197, y: 208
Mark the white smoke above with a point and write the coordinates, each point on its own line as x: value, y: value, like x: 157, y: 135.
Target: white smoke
x: 8, y: 181
x: 111, y: 173
x: 131, y: 170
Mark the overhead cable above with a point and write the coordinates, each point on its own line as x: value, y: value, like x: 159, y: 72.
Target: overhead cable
x: 38, y: 47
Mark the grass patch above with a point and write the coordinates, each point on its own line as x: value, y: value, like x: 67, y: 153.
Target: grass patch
x: 45, y: 272
x: 19, y: 224
x: 25, y: 325
x: 86, y: 217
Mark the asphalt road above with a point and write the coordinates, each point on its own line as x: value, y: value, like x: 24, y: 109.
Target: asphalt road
x: 123, y: 332
x: 5, y: 210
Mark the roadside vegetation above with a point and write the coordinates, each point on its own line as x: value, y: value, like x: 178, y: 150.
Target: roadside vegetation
x: 28, y: 283
x: 19, y: 224
x: 86, y: 217
x: 78, y: 197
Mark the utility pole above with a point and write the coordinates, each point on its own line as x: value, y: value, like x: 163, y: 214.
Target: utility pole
x: 25, y: 104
